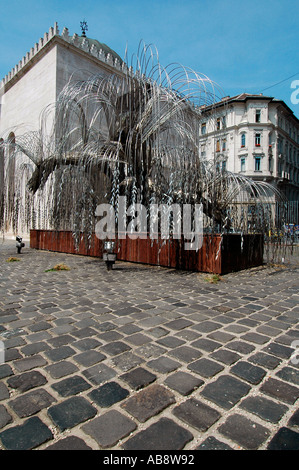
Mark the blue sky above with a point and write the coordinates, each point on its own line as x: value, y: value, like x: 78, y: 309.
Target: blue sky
x: 244, y: 46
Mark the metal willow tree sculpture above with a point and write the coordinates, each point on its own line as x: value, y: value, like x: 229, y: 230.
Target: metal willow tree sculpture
x: 134, y: 133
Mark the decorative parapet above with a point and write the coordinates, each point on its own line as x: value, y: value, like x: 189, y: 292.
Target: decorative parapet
x: 92, y: 50
x: 75, y: 41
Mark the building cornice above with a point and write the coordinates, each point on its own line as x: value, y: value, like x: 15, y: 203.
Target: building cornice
x: 50, y: 39
x: 289, y: 113
x: 240, y: 127
x: 244, y: 98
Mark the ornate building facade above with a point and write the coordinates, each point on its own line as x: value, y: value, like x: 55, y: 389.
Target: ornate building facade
x: 254, y: 135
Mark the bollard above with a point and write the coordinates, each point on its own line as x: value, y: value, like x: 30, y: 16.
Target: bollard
x: 19, y: 244
x: 109, y: 256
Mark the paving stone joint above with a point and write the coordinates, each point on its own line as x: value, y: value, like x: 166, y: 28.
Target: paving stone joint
x: 147, y: 358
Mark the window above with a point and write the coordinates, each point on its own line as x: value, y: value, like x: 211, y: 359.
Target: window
x: 257, y: 140
x: 11, y: 164
x: 243, y: 140
x: 11, y: 158
x: 224, y: 122
x: 203, y: 128
x: 224, y: 165
x: 218, y: 146
x: 280, y: 145
x: 257, y: 164
x: 218, y: 124
x: 224, y: 145
x: 258, y: 115
x: 243, y: 163
x: 279, y: 169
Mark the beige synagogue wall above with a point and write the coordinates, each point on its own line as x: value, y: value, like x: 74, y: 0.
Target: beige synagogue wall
x: 22, y: 104
x: 74, y: 66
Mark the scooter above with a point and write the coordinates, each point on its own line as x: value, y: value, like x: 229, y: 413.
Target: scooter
x: 19, y: 244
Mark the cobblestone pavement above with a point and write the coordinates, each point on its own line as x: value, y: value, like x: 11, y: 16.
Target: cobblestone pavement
x: 145, y: 357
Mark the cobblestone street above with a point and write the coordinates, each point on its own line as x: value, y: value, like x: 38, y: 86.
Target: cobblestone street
x: 146, y: 358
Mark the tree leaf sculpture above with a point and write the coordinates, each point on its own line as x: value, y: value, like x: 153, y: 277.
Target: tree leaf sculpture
x: 135, y: 133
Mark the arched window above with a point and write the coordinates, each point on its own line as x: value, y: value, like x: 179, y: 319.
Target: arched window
x: 243, y: 140
x: 11, y: 142
x: 10, y: 165
x: 11, y: 159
